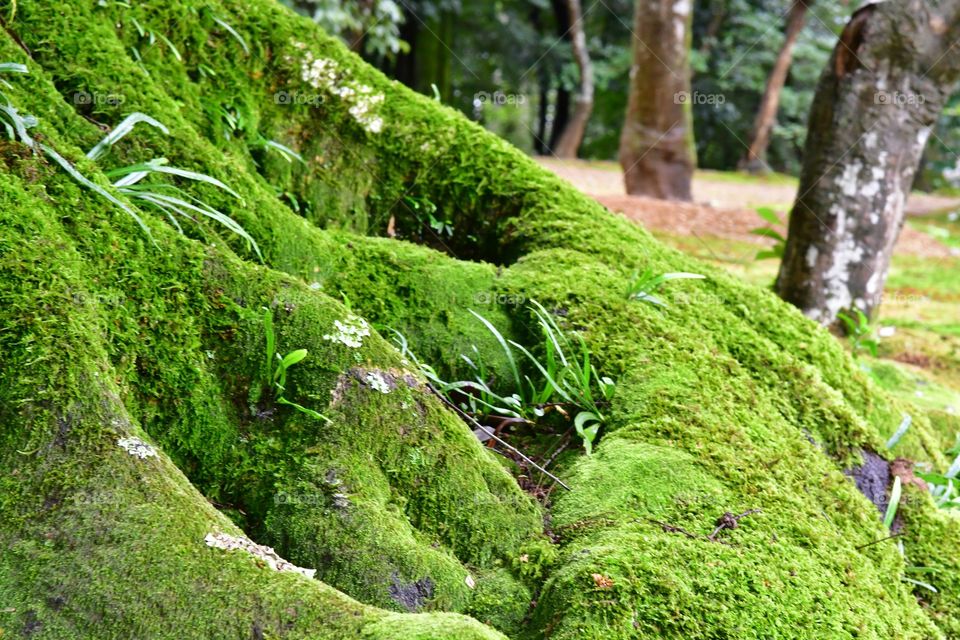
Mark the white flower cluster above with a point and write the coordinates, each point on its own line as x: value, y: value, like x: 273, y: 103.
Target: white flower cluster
x: 262, y: 552
x: 350, y: 332
x: 137, y: 447
x: 324, y: 73
x: 377, y: 382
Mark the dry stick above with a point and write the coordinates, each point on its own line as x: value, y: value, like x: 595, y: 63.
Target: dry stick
x: 551, y: 454
x: 669, y: 528
x: 564, y: 441
x: 729, y: 521
x: 869, y: 544
x: 493, y: 435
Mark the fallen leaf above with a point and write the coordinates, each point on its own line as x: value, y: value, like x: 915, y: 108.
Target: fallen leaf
x: 602, y: 581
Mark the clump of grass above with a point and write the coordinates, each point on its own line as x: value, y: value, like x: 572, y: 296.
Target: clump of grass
x: 132, y: 181
x: 645, y: 286
x: 15, y: 123
x: 563, y: 380
x: 859, y: 332
x: 276, y: 366
x: 780, y: 243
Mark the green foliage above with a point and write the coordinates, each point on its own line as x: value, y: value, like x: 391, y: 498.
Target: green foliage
x: 166, y: 198
x: 276, y: 366
x: 378, y: 21
x: 425, y: 212
x: 564, y: 378
x: 891, y: 512
x: 945, y: 487
x: 645, y: 286
x: 780, y: 243
x: 15, y: 124
x: 859, y: 331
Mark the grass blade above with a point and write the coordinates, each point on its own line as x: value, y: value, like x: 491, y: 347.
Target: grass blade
x: 126, y: 126
x: 79, y: 177
x: 894, y: 503
x: 233, y: 32
x: 503, y: 343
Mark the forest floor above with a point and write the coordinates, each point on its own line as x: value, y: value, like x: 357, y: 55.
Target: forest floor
x: 919, y: 322
x: 725, y: 204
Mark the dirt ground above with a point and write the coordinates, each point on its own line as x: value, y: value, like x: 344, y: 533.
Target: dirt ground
x: 724, y: 207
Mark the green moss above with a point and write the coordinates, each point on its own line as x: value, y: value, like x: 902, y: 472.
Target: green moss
x: 97, y: 542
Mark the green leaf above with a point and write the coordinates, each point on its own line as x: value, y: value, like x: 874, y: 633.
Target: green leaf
x: 768, y: 233
x: 901, y: 430
x: 768, y: 214
x: 767, y: 254
x: 933, y: 478
x: 233, y: 32
x: 894, y: 503
x: 271, y: 338
x: 293, y: 358
x: 13, y: 67
x: 288, y: 154
x: 587, y: 425
x: 921, y: 584
x: 304, y: 410
x: 848, y: 322
x: 506, y: 348
x: 682, y: 275
x: 173, y: 49
x: 126, y: 126
x: 93, y: 186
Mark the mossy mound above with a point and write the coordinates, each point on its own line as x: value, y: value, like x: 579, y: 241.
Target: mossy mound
x: 727, y: 401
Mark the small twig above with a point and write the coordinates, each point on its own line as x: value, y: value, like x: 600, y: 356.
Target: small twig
x: 729, y: 521
x: 870, y: 544
x: 492, y: 434
x: 564, y: 441
x: 669, y: 528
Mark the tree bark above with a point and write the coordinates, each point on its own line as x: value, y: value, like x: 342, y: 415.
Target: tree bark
x: 428, y: 63
x: 876, y: 104
x: 561, y: 105
x: 572, y: 135
x: 656, y: 145
x: 755, y: 158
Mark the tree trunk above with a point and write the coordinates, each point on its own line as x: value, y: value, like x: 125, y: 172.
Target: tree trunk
x: 876, y: 104
x: 428, y: 63
x: 656, y: 144
x: 755, y: 158
x: 572, y: 135
x: 561, y: 105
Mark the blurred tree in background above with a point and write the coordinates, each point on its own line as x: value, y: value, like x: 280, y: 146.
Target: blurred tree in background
x: 510, y: 65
